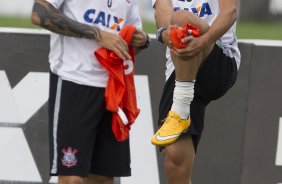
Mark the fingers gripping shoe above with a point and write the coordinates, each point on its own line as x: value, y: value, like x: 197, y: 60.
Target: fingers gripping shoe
x: 170, y: 130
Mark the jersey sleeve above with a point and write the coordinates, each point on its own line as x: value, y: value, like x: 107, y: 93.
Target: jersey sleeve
x: 133, y: 17
x: 55, y: 3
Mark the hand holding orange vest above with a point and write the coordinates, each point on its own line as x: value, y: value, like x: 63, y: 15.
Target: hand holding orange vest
x: 177, y: 33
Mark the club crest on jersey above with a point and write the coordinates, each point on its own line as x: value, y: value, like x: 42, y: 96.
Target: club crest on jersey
x: 102, y: 18
x: 201, y: 11
x: 69, y: 159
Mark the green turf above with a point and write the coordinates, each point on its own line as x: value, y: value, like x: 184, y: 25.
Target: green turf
x: 16, y: 22
x: 245, y: 30
x: 259, y: 30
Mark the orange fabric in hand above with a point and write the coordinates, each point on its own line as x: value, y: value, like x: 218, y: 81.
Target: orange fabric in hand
x: 176, y: 34
x: 120, y: 91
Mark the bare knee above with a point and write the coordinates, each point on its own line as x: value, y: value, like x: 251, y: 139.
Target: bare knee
x: 71, y: 180
x: 177, y: 172
x: 174, y: 164
x: 183, y: 17
x: 178, y: 161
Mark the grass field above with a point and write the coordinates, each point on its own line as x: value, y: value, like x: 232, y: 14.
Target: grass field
x: 248, y: 30
x: 245, y: 30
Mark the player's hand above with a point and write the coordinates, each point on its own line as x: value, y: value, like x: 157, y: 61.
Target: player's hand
x: 114, y: 43
x: 166, y: 37
x: 194, y: 46
x: 139, y: 38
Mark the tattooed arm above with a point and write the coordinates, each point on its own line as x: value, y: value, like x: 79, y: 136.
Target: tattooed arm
x: 47, y: 16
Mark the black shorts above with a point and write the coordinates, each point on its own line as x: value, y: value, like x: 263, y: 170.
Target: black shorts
x: 81, y: 137
x: 216, y: 75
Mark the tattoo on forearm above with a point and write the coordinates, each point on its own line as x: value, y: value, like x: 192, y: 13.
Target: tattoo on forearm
x: 55, y: 21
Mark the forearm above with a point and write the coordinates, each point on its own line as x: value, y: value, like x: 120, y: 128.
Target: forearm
x: 221, y: 24
x: 48, y: 17
x: 163, y: 12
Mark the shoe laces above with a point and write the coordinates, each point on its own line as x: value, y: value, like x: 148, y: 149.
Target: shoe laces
x: 174, y: 125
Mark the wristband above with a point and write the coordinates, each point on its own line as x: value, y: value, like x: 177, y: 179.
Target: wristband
x: 159, y: 34
x: 147, y: 43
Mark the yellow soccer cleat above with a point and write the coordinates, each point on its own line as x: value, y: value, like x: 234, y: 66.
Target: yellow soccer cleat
x: 170, y: 130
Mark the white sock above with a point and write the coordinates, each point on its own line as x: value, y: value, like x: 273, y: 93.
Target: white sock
x: 182, y: 96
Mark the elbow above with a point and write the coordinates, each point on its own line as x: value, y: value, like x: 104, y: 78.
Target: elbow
x: 35, y: 19
x: 158, y: 21
x: 161, y: 20
x: 234, y: 14
x: 230, y: 12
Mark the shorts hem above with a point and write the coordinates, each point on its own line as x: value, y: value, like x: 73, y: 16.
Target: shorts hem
x: 70, y: 174
x: 112, y: 174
